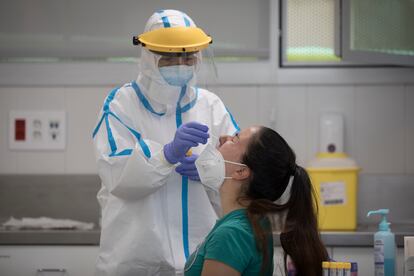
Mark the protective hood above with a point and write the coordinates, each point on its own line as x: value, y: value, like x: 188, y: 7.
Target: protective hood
x: 162, y: 95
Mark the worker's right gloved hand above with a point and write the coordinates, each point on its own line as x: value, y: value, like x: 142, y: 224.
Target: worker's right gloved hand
x: 187, y: 135
x: 188, y: 168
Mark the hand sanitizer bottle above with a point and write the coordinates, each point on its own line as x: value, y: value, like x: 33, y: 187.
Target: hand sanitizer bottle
x: 384, y: 246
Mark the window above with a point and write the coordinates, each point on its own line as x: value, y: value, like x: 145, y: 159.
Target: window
x: 379, y: 31
x: 343, y: 32
x: 309, y: 32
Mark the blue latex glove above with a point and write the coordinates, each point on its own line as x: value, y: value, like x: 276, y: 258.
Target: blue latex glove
x: 187, y: 135
x: 188, y: 168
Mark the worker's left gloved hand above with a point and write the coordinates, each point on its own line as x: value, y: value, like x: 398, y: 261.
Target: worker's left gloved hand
x: 188, y: 168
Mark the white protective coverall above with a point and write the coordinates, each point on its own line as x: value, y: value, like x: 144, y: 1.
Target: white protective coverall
x: 152, y: 217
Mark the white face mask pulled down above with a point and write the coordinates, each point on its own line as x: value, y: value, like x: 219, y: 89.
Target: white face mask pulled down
x: 211, y: 168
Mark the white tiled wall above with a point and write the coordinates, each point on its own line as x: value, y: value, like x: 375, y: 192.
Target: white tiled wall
x: 242, y: 101
x: 83, y: 105
x: 284, y: 109
x: 379, y: 122
x: 380, y: 128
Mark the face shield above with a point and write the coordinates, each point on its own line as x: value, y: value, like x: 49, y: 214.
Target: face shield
x: 187, y: 68
x: 180, y: 55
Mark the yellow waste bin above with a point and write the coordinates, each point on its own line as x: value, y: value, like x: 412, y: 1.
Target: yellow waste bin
x: 334, y: 177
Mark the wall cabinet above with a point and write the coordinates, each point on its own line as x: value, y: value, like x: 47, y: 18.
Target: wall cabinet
x: 48, y: 260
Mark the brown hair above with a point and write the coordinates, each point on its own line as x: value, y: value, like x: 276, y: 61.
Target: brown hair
x: 272, y: 163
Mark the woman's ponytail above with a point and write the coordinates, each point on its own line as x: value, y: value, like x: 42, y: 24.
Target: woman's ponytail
x: 300, y: 238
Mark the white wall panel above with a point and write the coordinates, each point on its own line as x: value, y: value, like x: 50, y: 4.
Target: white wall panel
x: 284, y: 110
x: 8, y: 161
x: 267, y: 99
x: 44, y: 162
x: 83, y: 106
x: 242, y: 103
x: 40, y: 98
x: 322, y: 99
x: 380, y: 129
x: 409, y: 126
x: 291, y: 110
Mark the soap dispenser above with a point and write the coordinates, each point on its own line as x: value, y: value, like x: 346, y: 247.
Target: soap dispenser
x: 384, y: 246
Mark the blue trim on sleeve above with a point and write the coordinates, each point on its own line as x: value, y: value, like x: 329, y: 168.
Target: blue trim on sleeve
x: 122, y: 153
x: 105, y: 116
x: 137, y: 135
x: 144, y: 100
x: 105, y: 110
x: 109, y: 99
x: 236, y: 126
x: 110, y: 136
x: 98, y: 126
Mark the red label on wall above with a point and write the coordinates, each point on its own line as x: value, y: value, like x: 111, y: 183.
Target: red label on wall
x: 20, y: 130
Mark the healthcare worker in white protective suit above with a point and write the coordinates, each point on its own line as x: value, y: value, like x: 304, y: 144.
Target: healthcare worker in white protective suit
x: 155, y: 211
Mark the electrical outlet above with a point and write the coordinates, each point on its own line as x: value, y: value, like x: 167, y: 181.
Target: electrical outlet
x: 37, y: 130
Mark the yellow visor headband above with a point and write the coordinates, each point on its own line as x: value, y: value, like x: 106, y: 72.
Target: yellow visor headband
x: 174, y: 40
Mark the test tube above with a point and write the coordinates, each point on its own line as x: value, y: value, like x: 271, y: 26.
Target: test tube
x: 325, y: 268
x: 340, y: 269
x: 333, y: 269
x: 347, y: 269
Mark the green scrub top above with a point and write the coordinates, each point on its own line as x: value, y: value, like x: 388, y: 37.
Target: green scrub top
x: 232, y: 242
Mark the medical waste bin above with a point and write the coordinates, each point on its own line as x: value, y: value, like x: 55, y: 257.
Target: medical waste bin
x: 334, y: 177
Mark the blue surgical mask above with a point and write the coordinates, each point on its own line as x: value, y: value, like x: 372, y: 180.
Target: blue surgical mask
x: 177, y: 75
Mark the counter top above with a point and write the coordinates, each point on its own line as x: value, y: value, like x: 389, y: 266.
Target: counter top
x: 363, y: 237
x: 49, y: 237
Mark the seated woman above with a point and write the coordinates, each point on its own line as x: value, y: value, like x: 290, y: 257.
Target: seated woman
x: 261, y: 190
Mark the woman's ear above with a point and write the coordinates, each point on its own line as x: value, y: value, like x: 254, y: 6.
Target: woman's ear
x: 242, y: 173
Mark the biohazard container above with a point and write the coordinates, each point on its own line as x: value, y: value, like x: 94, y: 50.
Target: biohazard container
x: 334, y: 177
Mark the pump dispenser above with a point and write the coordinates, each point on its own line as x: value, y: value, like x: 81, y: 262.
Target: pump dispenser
x: 384, y: 246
